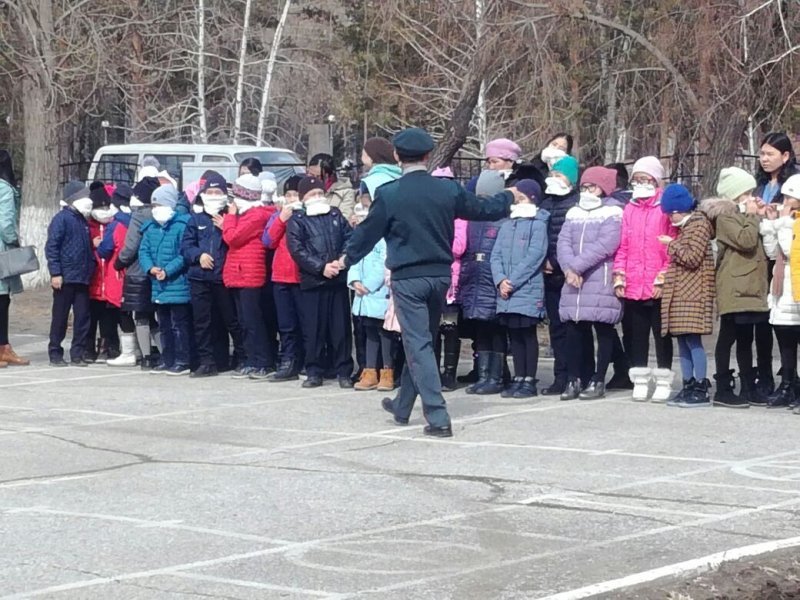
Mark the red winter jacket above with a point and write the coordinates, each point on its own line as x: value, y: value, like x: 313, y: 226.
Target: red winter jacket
x: 97, y: 286
x: 284, y: 269
x: 246, y: 263
x: 107, y: 281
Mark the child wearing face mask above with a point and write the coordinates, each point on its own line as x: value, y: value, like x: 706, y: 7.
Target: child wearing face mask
x: 742, y: 286
x: 103, y: 313
x: 213, y: 308
x: 687, y: 304
x: 586, y: 247
x: 316, y: 239
x: 160, y: 256
x: 71, y: 261
x: 286, y: 285
x: 245, y: 274
x: 640, y: 266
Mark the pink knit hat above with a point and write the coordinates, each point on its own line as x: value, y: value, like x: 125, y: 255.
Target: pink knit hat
x: 503, y: 148
x: 605, y: 179
x: 444, y: 173
x: 651, y: 166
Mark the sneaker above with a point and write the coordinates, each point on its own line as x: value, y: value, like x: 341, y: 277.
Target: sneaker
x: 58, y: 362
x: 260, y: 374
x: 159, y: 369
x: 345, y: 383
x: 178, y: 370
x: 242, y: 372
x: 204, y: 371
x: 313, y: 382
x: 79, y: 363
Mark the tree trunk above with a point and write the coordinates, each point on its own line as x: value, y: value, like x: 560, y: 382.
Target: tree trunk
x: 273, y: 55
x: 237, y: 119
x: 201, y: 79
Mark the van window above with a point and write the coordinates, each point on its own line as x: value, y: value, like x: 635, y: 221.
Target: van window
x: 173, y: 162
x: 117, y: 168
x: 282, y: 164
x: 216, y: 158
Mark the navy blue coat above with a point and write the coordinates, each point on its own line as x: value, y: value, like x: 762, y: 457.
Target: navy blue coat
x: 477, y: 293
x: 69, y: 249
x: 557, y: 207
x: 203, y: 237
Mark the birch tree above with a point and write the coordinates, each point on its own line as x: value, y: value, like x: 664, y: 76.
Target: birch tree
x: 237, y: 120
x: 273, y: 56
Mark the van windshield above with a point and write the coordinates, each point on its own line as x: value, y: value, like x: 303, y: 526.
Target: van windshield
x: 282, y: 164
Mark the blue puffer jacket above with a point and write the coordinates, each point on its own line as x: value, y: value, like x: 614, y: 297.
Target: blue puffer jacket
x: 69, y: 249
x: 519, y: 256
x: 161, y: 247
x: 476, y: 290
x: 371, y: 271
x: 203, y: 237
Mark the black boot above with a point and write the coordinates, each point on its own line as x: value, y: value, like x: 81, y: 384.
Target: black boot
x: 572, y: 390
x: 594, y: 391
x: 697, y: 395
x: 527, y: 389
x: 796, y: 387
x: 473, y: 376
x: 512, y: 387
x: 765, y: 382
x: 785, y: 394
x: 494, y: 383
x: 482, y: 369
x: 748, y: 389
x: 620, y: 381
x: 688, y: 386
x: 725, y: 395
x: 452, y: 353
x: 287, y: 371
x: 558, y: 387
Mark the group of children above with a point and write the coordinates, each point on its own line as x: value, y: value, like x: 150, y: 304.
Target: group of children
x: 186, y: 278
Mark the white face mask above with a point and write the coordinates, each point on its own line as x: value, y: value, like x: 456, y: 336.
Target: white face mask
x: 643, y: 190
x: 213, y: 205
x: 523, y: 211
x: 245, y: 205
x: 683, y: 221
x: 83, y: 206
x: 197, y: 209
x: 162, y: 214
x: 125, y: 209
x: 296, y: 205
x: 589, y: 201
x: 556, y: 187
x: 104, y: 216
x: 136, y: 203
x: 552, y: 155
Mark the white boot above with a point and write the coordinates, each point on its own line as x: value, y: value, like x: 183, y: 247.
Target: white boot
x: 663, y: 379
x: 127, y: 357
x: 641, y: 378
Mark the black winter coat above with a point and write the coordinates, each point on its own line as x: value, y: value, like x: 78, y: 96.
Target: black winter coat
x: 558, y: 207
x: 136, y: 289
x: 315, y: 241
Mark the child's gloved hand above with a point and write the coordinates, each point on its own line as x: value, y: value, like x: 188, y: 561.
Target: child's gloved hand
x: 664, y: 239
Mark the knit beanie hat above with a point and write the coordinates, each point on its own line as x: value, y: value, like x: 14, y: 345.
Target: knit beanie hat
x: 290, y: 185
x: 602, y: 177
x: 165, y: 195
x: 567, y: 166
x: 74, y: 190
x: 122, y: 195
x: 490, y: 183
x: 649, y: 165
x: 733, y: 182
x: 99, y: 195
x: 791, y: 187
x: 144, y: 189
x: 150, y: 168
x: 268, y: 182
x: 380, y: 150
x: 531, y: 189
x: 677, y: 199
x: 309, y: 183
x: 503, y: 148
x: 247, y: 187
x: 213, y: 180
x: 443, y: 173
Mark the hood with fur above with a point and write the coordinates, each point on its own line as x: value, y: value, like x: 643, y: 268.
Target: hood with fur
x: 714, y: 207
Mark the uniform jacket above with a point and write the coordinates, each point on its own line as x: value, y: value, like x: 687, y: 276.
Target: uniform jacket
x: 477, y: 292
x: 642, y: 260
x: 518, y: 255
x: 687, y: 306
x: 9, y: 232
x: 371, y: 272
x: 136, y: 292
x: 69, y: 249
x: 586, y: 245
x: 316, y: 241
x: 459, y: 248
x: 161, y: 247
x: 245, y: 265
x: 342, y: 196
x: 284, y: 269
x: 741, y: 261
x: 778, y: 237
x: 203, y: 237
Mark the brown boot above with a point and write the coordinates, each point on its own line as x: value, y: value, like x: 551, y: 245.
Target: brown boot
x: 7, y: 355
x: 368, y: 381
x: 3, y: 364
x: 386, y: 383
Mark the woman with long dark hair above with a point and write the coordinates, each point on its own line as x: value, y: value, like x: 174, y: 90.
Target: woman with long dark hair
x: 9, y: 238
x: 340, y: 194
x: 776, y: 163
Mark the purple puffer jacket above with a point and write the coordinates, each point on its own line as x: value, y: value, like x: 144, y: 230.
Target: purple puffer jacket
x: 586, y: 245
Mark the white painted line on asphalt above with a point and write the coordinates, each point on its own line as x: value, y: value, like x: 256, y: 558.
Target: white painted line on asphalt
x: 694, y: 566
x: 63, y: 380
x: 256, y: 585
x: 91, y: 412
x: 45, y: 481
x: 634, y: 508
x: 770, y: 490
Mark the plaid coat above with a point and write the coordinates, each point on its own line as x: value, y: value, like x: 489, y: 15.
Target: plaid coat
x: 687, y: 305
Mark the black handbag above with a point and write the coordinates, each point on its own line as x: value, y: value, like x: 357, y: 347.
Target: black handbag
x: 18, y: 261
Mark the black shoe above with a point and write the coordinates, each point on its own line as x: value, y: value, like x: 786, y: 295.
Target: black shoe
x: 512, y: 388
x: 90, y: 357
x: 159, y: 369
x: 697, y: 396
x: 688, y: 387
x: 595, y: 390
x: 146, y: 363
x: 79, y: 363
x: 242, y: 372
x: 449, y: 380
x: 286, y: 372
x: 556, y: 389
x: 204, y: 371
x: 345, y: 383
x: 620, y: 381
x: 58, y: 362
x: 725, y: 395
x: 728, y: 401
x: 313, y: 381
x: 572, y: 390
x: 493, y: 384
x: 178, y: 371
x: 472, y: 376
x: 260, y: 374
x: 527, y: 389
x: 765, y: 386
x: 388, y: 406
x: 782, y: 397
x: 442, y: 432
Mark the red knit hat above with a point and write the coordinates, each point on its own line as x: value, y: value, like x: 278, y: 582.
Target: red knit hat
x: 605, y: 179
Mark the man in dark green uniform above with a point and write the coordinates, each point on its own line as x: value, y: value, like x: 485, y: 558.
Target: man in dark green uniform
x: 416, y: 215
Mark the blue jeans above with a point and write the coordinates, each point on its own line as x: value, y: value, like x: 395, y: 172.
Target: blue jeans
x: 693, y: 357
x: 174, y: 321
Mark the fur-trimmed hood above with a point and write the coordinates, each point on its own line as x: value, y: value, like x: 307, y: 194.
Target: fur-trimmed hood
x: 714, y: 207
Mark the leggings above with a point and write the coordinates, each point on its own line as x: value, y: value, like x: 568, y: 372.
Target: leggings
x: 379, y: 344
x: 693, y: 357
x: 5, y: 303
x: 525, y: 351
x: 764, y: 350
x: 640, y: 319
x: 581, y: 345
x: 742, y: 336
x: 788, y: 339
x: 490, y: 336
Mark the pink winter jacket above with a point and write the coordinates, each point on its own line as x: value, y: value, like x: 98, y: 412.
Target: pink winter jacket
x: 459, y: 248
x: 641, y: 261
